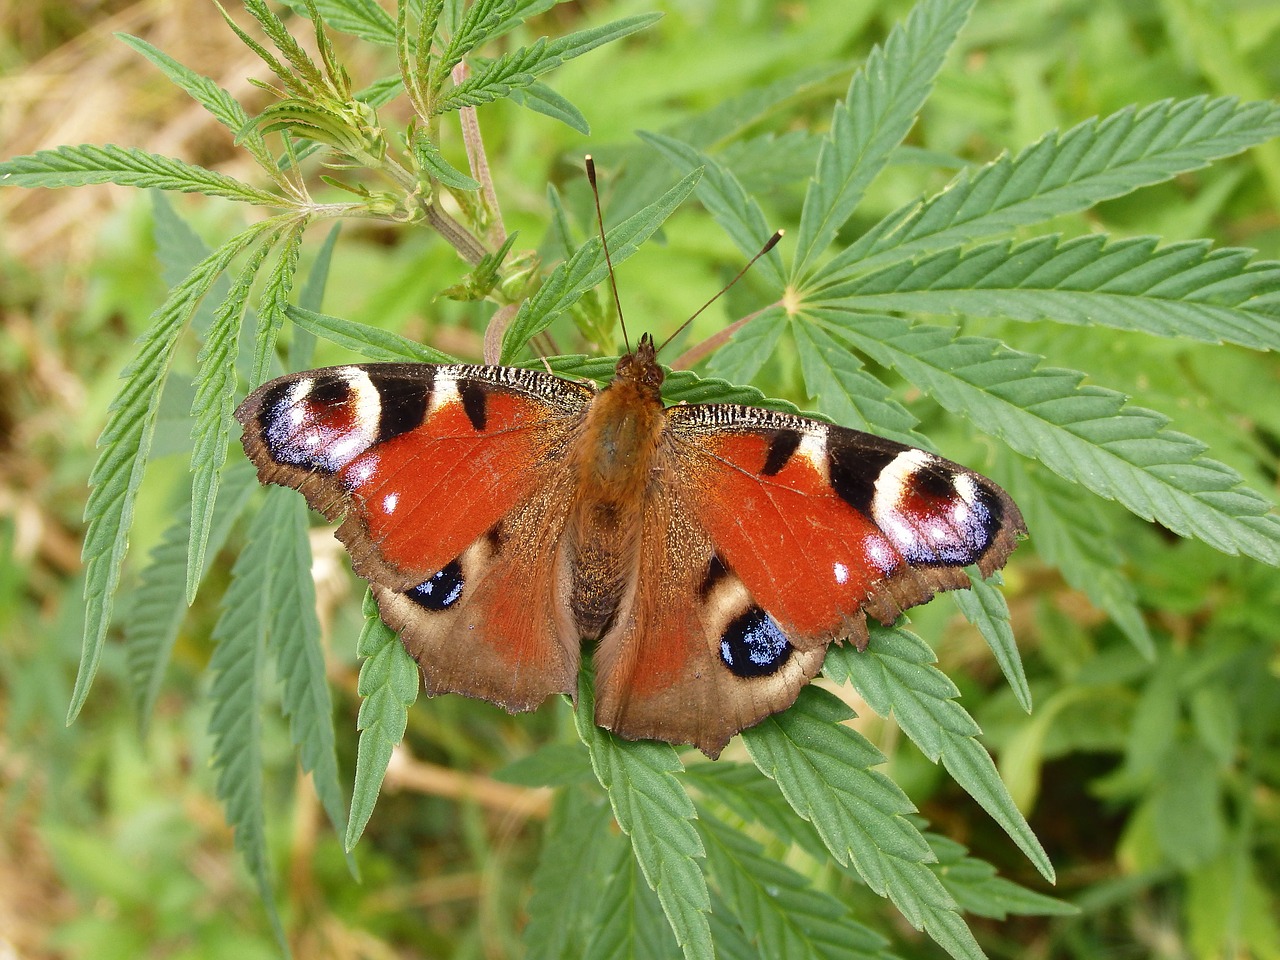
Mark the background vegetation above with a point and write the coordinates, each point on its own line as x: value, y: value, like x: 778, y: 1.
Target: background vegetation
x: 1150, y: 766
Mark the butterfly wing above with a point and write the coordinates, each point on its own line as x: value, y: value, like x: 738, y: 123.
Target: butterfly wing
x: 451, y: 487
x: 800, y: 529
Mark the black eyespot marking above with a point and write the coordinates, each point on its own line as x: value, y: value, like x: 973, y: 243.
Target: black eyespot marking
x: 474, y: 403
x: 854, y: 474
x: 781, y: 447
x: 441, y: 591
x: 402, y: 403
x: 329, y: 390
x: 716, y: 571
x: 934, y: 482
x: 753, y: 645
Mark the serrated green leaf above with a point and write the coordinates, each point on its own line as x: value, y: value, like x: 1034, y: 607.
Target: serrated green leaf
x: 215, y: 385
x: 239, y: 666
x: 518, y: 68
x: 680, y: 386
x: 157, y: 608
x: 823, y: 769
x: 1176, y: 290
x: 979, y: 890
x: 294, y: 639
x: 433, y: 162
x: 748, y: 793
x: 780, y: 911
x: 551, y: 765
x: 1081, y: 544
x: 845, y: 391
x: 653, y: 809
x: 984, y: 606
x: 273, y: 305
x: 878, y: 110
x: 752, y: 345
x: 738, y: 214
x: 178, y: 250
x: 126, y: 446
x: 359, y: 18
x: 587, y: 268
x: 372, y: 342
x: 311, y: 297
x: 221, y: 105
x: 87, y: 164
x: 388, y: 687
x: 1085, y: 434
x: 628, y: 922
x: 1062, y: 173
x: 896, y: 674
x: 482, y: 21
x: 571, y: 874
x: 540, y: 98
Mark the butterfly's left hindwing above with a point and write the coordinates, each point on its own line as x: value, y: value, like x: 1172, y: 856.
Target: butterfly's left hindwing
x: 441, y: 476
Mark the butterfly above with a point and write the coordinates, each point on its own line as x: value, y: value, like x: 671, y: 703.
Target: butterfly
x: 503, y: 516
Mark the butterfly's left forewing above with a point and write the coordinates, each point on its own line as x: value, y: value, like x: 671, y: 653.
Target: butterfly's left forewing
x: 450, y: 484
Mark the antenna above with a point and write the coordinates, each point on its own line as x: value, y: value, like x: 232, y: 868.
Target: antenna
x: 613, y: 280
x: 768, y: 245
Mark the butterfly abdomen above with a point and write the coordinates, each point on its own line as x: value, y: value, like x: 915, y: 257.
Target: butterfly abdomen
x: 614, y: 461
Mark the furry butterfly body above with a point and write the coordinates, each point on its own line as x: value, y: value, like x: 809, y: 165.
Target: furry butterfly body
x: 504, y: 516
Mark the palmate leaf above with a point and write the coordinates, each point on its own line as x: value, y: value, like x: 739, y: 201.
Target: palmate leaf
x: 628, y: 922
x: 221, y: 105
x: 388, y: 687
x: 823, y: 769
x: 274, y: 302
x: 896, y: 674
x: 878, y: 110
x: 984, y: 606
x: 372, y: 342
x: 294, y: 639
x: 570, y: 875
x: 729, y: 204
x: 846, y: 391
x: 215, y: 385
x: 979, y: 890
x: 1062, y: 173
x: 158, y: 606
x: 653, y: 809
x: 519, y: 68
x: 86, y: 164
x: 680, y: 386
x: 540, y: 98
x: 749, y: 794
x: 779, y: 910
x: 126, y: 445
x: 1083, y: 433
x: 745, y: 355
x: 239, y: 669
x: 360, y: 18
x: 586, y: 269
x: 1177, y: 290
x: 1080, y: 543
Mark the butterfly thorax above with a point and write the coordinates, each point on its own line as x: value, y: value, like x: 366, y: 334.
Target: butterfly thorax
x: 615, y: 460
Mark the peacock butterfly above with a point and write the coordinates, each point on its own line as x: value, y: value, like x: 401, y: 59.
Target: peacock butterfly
x: 502, y: 516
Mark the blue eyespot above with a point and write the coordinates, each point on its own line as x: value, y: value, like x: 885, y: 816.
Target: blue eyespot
x: 754, y: 645
x: 441, y: 591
